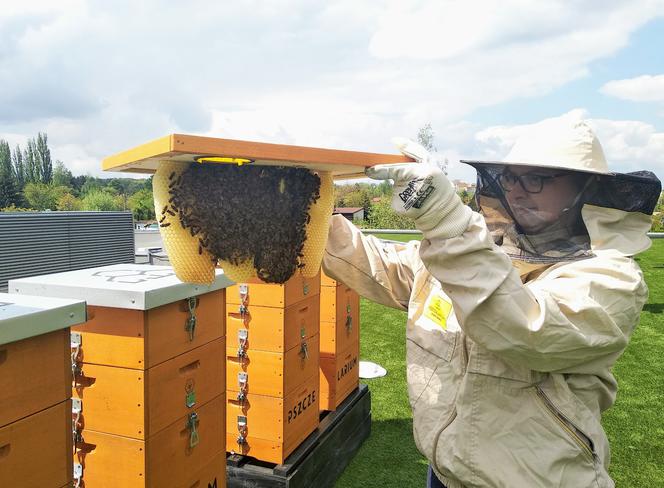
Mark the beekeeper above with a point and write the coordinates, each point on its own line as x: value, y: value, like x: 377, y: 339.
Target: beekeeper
x: 516, y: 314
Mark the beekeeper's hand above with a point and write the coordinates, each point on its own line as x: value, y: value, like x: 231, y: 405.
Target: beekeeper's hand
x: 423, y: 192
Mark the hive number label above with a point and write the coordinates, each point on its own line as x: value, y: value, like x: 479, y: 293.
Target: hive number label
x: 301, y: 406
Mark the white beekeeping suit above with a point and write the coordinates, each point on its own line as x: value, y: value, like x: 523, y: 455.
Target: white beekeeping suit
x: 515, y: 314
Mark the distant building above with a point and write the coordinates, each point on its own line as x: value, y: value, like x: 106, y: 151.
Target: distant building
x: 462, y: 186
x: 351, y: 213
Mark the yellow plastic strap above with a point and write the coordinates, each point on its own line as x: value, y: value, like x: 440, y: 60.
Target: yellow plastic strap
x: 217, y: 159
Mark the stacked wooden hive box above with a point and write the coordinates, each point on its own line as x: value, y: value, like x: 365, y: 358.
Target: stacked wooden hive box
x: 35, y: 386
x: 339, y: 342
x: 149, y: 376
x: 272, y: 366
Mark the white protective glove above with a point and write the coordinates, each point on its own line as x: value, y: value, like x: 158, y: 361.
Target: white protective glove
x: 423, y: 193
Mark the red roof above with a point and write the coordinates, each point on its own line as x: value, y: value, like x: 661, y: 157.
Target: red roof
x: 346, y: 210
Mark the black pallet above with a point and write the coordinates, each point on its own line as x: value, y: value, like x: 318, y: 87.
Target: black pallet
x: 320, y: 459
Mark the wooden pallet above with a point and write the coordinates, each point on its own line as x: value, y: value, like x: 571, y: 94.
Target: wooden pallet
x: 320, y: 459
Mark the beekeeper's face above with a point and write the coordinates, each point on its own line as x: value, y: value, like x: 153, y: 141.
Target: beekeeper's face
x: 539, y: 197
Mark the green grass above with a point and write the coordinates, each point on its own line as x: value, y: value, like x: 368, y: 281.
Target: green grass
x: 635, y: 425
x: 399, y: 237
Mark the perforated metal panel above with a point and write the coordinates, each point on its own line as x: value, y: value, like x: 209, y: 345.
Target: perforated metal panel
x: 37, y: 243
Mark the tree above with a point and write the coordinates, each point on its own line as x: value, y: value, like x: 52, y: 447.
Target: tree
x: 61, y: 175
x: 30, y: 161
x: 383, y: 216
x: 19, y: 169
x: 43, y: 197
x: 425, y: 137
x: 91, y: 184
x: 69, y: 203
x: 101, y: 201
x: 8, y: 189
x: 141, y: 204
x: 44, y: 164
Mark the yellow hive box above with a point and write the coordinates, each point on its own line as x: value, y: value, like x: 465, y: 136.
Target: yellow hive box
x: 270, y: 328
x: 136, y: 403
x: 36, y: 450
x: 271, y: 373
x: 339, y: 376
x: 270, y: 428
x: 339, y: 319
x: 141, y: 339
x: 256, y: 292
x: 169, y: 458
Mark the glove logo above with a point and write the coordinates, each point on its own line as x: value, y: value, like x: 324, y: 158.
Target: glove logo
x: 417, y: 191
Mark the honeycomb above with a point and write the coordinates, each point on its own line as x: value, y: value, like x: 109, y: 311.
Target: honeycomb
x: 317, y: 228
x: 191, y: 263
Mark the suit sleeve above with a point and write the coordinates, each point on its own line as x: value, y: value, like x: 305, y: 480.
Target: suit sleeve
x: 380, y: 272
x: 575, y: 314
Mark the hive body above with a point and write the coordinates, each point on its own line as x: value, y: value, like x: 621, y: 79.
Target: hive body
x: 339, y: 342
x: 272, y: 367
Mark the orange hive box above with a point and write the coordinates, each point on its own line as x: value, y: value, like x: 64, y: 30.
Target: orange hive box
x: 339, y: 342
x: 272, y: 366
x: 35, y: 385
x: 149, y: 385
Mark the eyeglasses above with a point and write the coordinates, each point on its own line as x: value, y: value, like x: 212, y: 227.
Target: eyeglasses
x: 531, y: 183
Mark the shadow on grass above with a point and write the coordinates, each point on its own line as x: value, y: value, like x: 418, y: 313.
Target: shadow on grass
x: 387, y: 459
x: 653, y: 307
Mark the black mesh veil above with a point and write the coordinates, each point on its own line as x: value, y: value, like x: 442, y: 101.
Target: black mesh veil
x: 564, y: 238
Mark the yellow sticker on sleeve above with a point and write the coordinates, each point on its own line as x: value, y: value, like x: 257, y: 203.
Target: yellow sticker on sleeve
x: 437, y: 310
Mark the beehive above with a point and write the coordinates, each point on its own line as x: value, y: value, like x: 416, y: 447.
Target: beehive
x: 339, y: 342
x: 35, y: 388
x: 188, y: 244
x: 149, y: 382
x: 272, y: 366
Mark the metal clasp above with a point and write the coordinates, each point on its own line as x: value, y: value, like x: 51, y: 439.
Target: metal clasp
x: 244, y: 306
x: 76, y: 410
x: 76, y: 340
x: 242, y: 380
x: 242, y: 337
x: 190, y: 324
x: 78, y: 474
x: 192, y: 425
x: 304, y: 350
x: 349, y: 319
x: 242, y: 429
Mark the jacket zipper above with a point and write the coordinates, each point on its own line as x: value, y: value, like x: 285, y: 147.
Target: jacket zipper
x: 464, y: 354
x: 579, y: 437
x: 447, y: 423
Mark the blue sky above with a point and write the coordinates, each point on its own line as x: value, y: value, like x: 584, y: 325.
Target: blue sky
x: 101, y: 77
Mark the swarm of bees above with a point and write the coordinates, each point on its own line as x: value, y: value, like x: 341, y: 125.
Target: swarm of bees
x: 249, y: 212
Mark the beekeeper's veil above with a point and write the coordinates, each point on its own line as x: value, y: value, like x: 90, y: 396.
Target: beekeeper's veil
x: 541, y: 203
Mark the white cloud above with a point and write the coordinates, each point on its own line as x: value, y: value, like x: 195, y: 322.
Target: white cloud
x: 646, y: 88
x: 101, y: 77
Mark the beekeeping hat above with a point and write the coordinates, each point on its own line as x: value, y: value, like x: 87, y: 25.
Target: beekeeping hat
x: 559, y: 147
x: 556, y: 145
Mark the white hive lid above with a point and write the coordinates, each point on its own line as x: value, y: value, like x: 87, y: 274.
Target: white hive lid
x: 24, y: 316
x: 129, y: 286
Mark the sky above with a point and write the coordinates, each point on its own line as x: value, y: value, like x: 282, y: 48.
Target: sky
x: 100, y: 77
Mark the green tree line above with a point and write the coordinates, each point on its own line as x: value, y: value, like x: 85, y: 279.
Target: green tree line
x: 31, y: 181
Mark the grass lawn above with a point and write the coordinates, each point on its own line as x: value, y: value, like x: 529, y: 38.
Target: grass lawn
x: 635, y: 425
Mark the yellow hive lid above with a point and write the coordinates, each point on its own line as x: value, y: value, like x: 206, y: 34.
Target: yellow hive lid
x: 187, y: 148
